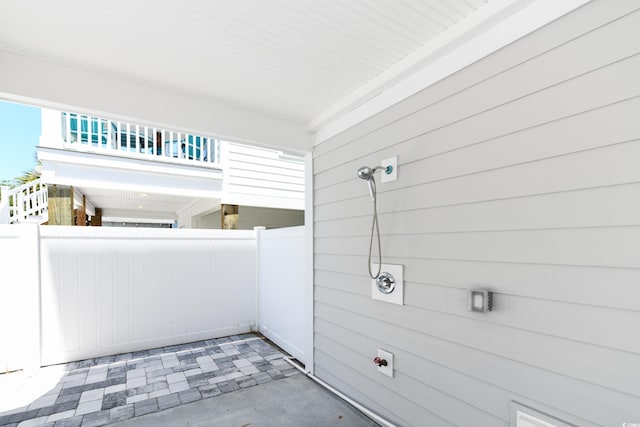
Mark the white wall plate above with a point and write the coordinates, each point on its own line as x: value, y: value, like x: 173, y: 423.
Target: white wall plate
x: 393, y: 162
x: 388, y: 369
x: 395, y: 297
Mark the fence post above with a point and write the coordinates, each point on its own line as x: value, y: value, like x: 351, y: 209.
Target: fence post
x: 32, y: 283
x: 258, y: 231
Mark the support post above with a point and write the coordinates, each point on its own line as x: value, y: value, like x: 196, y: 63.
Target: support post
x: 81, y: 213
x: 60, y: 204
x: 229, y: 217
x: 96, y: 220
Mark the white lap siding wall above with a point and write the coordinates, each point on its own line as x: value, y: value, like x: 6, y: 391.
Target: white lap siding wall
x: 520, y: 174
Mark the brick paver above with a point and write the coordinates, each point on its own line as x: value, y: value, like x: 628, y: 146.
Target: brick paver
x: 109, y: 389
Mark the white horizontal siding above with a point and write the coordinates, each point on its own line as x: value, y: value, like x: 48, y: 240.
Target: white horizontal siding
x: 518, y: 174
x: 555, y: 282
x: 590, y: 19
x: 352, y: 382
x: 261, y: 177
x: 431, y: 158
x: 516, y: 311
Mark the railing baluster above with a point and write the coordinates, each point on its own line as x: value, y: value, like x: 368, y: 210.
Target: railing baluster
x: 128, y: 136
x: 172, y: 144
x: 165, y: 146
x: 67, y: 136
x: 119, y: 141
x: 146, y: 141
x: 108, y: 142
x: 154, y: 140
x: 89, y: 130
x: 102, y: 134
x: 71, y: 131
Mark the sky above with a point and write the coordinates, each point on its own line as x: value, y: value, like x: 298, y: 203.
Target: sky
x: 19, y: 136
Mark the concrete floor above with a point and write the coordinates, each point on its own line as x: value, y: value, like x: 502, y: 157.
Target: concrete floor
x: 294, y: 401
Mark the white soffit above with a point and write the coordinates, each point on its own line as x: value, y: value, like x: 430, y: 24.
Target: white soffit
x: 289, y: 59
x: 493, y: 26
x: 328, y: 64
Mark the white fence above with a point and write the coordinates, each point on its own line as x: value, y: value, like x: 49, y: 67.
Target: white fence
x: 19, y: 297
x: 99, y: 291
x: 282, y: 312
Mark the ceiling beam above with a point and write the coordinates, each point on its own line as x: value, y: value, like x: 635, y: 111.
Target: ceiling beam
x: 36, y: 81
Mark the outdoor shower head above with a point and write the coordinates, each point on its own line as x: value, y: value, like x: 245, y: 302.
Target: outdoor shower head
x: 366, y: 173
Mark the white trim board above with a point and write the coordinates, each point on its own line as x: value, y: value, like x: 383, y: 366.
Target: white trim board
x: 495, y: 25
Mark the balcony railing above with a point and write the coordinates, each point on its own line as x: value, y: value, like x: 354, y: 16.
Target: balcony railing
x: 96, y: 134
x: 26, y: 203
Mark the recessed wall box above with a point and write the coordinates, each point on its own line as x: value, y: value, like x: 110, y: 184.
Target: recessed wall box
x: 480, y: 300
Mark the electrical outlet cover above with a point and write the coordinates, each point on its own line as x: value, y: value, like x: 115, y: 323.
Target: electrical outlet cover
x: 386, y: 370
x: 397, y: 295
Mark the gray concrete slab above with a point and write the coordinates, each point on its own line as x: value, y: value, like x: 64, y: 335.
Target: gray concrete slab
x: 294, y: 401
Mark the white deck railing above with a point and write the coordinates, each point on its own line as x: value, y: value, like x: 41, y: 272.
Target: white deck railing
x: 25, y: 203
x: 95, y: 134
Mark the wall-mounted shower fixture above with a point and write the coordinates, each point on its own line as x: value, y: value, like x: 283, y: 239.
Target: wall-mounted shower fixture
x: 384, y: 361
x: 367, y: 173
x: 388, y: 286
x: 390, y: 169
x: 385, y: 283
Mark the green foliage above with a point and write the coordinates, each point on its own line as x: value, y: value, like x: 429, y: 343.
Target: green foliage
x: 26, y: 177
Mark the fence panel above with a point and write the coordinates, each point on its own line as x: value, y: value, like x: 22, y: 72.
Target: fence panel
x: 19, y: 299
x: 282, y: 309
x: 109, y: 290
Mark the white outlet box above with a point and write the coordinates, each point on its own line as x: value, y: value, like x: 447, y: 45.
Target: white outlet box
x: 393, y: 162
x: 397, y: 295
x: 386, y: 370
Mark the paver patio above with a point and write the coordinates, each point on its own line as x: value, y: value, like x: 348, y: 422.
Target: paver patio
x: 109, y: 389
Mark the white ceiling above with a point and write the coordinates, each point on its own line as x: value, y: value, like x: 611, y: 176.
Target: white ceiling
x: 131, y: 204
x: 293, y: 59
